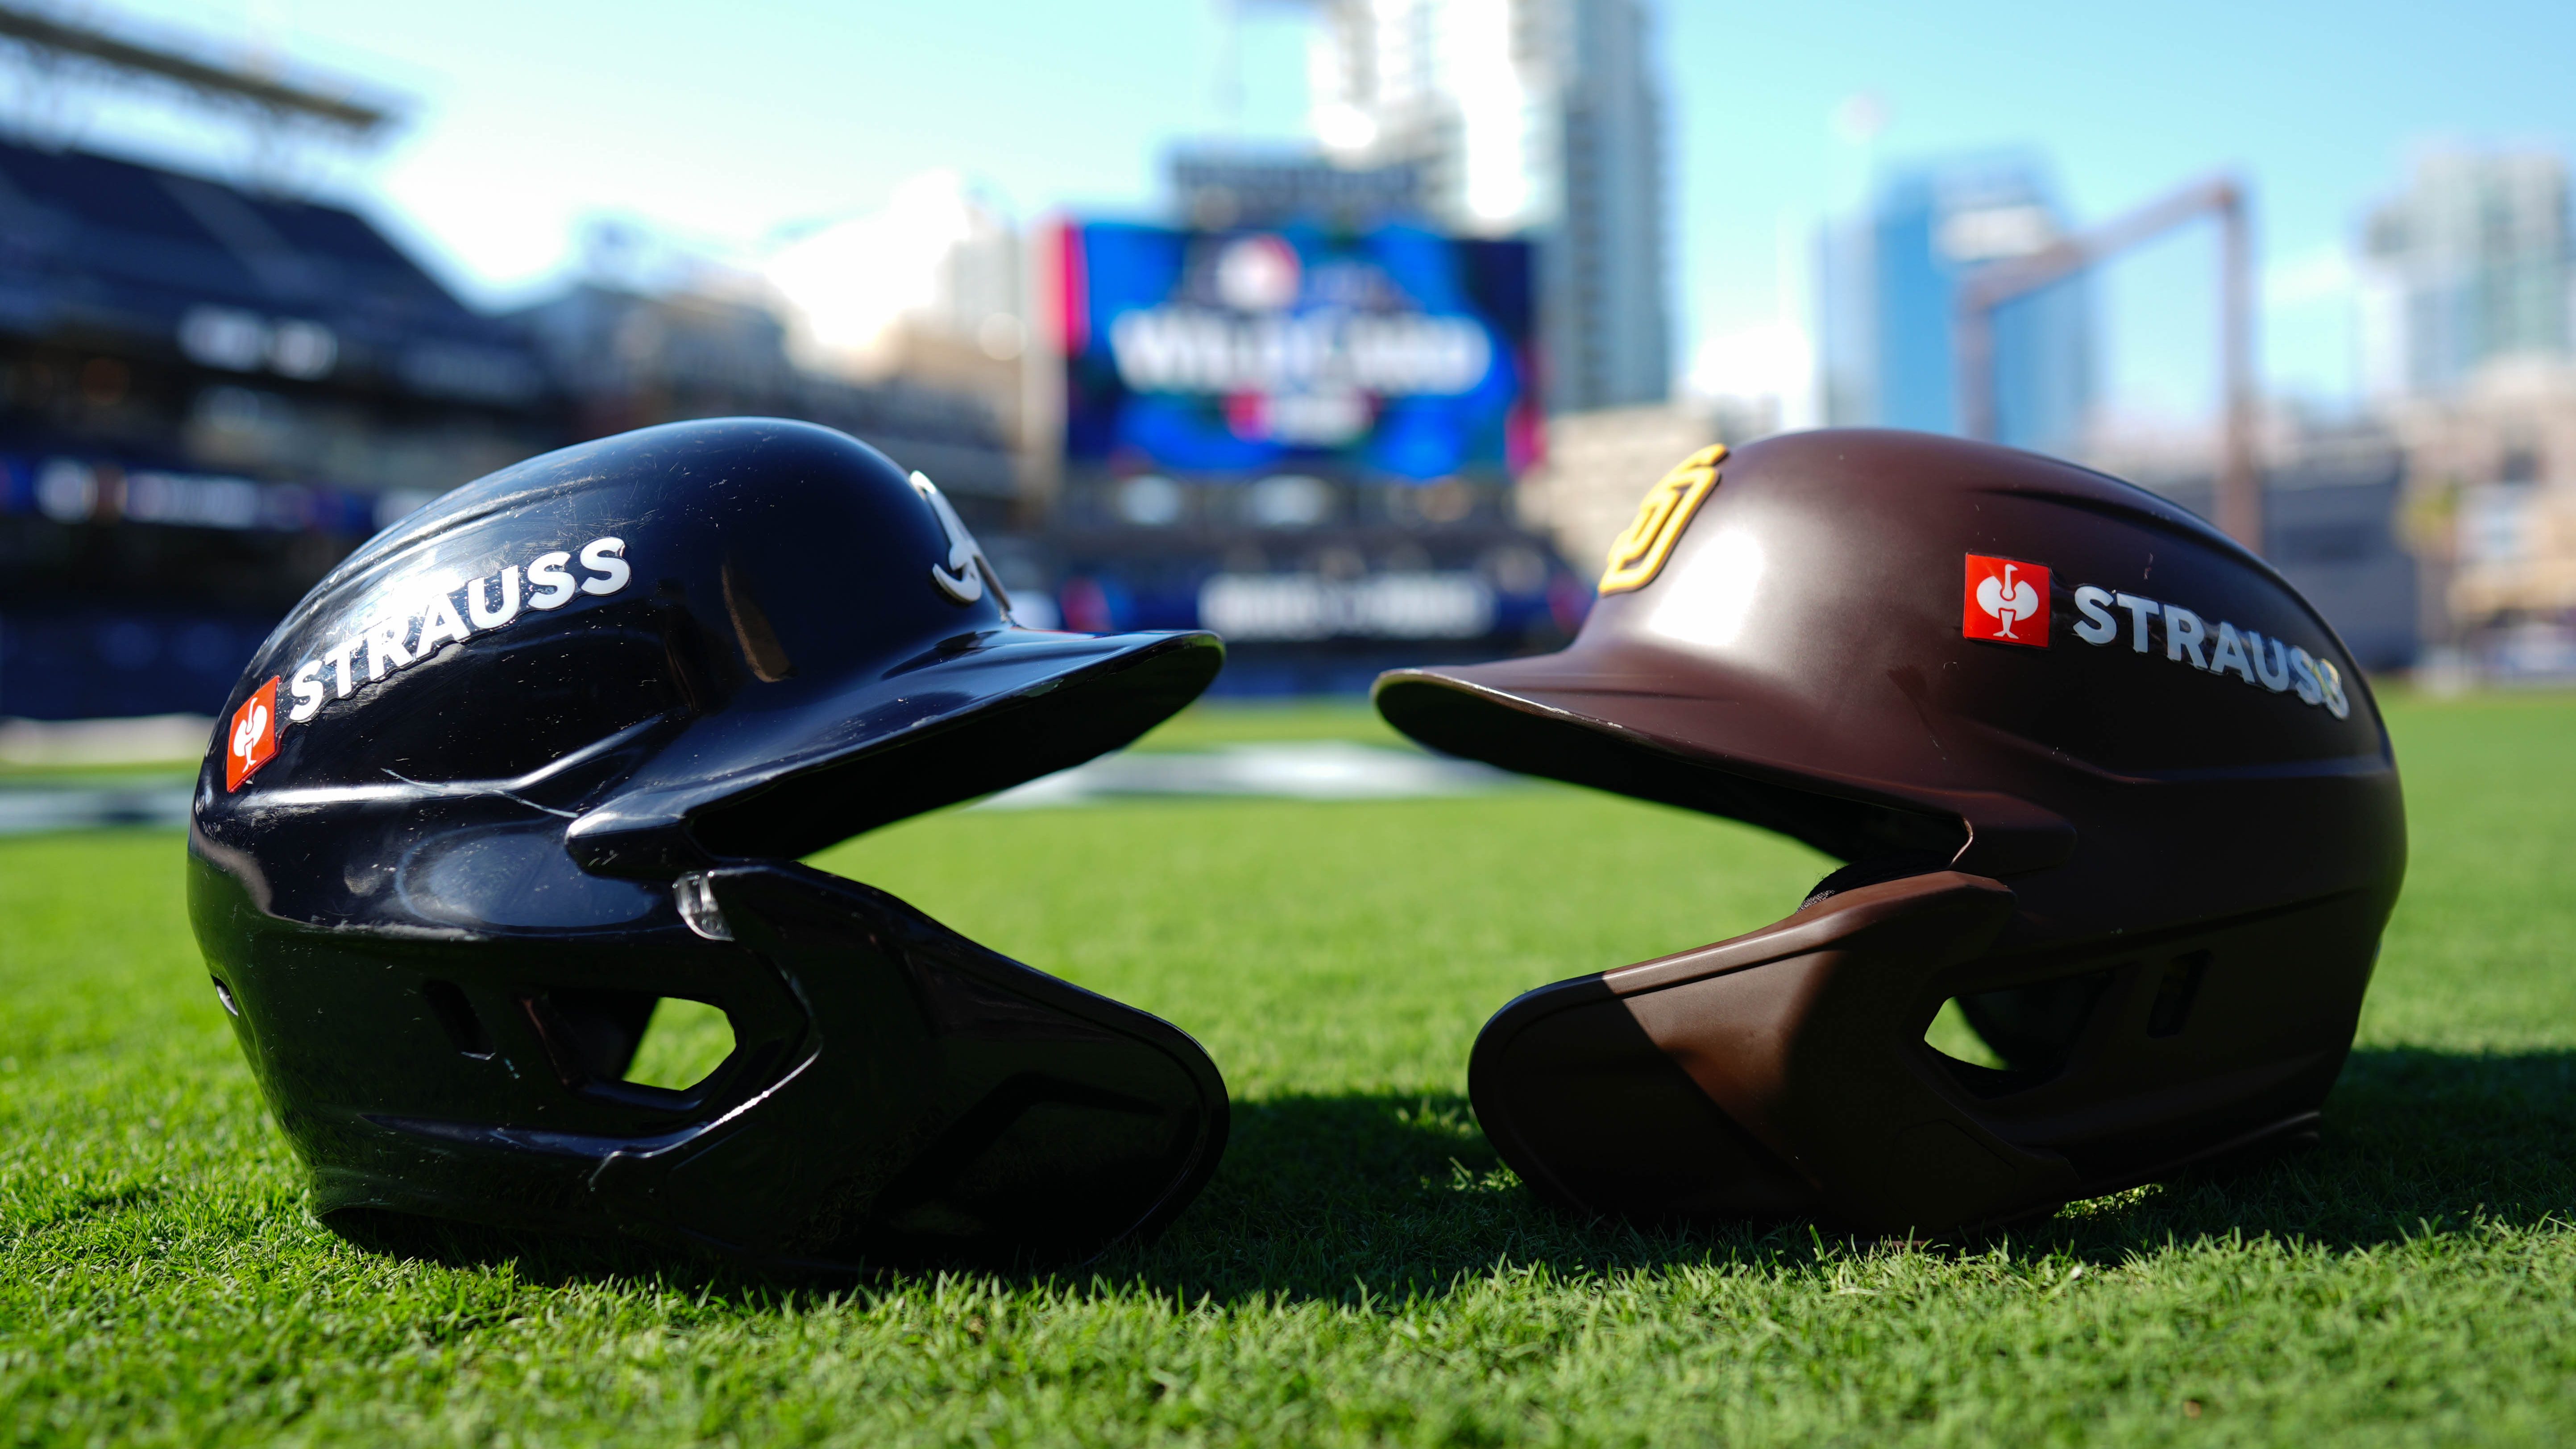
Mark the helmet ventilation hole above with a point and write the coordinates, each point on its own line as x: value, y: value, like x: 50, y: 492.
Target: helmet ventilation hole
x: 1952, y: 1036
x: 2175, y: 991
x: 224, y: 994
x: 606, y: 1041
x: 682, y: 1046
x: 2001, y: 1041
x: 458, y: 1018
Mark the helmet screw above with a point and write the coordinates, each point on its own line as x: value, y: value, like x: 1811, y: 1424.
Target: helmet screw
x: 698, y: 907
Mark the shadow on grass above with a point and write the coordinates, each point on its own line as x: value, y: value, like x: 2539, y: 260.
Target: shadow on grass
x: 1379, y: 1196
x: 1336, y: 1197
x: 553, y: 1259
x: 2414, y: 1141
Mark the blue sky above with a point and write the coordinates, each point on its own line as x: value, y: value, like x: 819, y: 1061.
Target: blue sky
x: 728, y: 123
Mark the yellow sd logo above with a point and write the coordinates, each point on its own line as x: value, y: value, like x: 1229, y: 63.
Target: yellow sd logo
x: 1637, y: 555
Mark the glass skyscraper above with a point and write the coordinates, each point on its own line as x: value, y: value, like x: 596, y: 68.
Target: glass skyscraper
x: 1535, y: 118
x: 1889, y: 326
x: 2467, y: 265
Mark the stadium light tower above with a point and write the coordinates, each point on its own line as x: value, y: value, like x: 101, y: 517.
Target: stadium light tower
x: 2240, y: 499
x: 53, y: 48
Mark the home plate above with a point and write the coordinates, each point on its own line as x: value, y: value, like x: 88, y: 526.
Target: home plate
x: 28, y: 810
x: 1308, y: 770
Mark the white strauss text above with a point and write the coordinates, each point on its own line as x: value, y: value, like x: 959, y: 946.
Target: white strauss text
x: 421, y: 621
x: 2269, y: 663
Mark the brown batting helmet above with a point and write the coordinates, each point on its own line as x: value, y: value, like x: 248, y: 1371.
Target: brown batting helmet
x: 2097, y: 772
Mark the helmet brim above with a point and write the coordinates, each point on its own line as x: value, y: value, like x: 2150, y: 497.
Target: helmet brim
x: 1561, y: 718
x: 979, y: 713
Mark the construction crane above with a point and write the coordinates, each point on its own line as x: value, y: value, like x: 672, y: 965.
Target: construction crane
x: 2240, y: 498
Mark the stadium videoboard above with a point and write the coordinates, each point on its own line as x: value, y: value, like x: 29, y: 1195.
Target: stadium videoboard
x: 1390, y: 354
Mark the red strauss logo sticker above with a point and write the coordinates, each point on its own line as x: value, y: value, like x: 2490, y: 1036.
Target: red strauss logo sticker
x: 2007, y: 601
x: 252, y: 739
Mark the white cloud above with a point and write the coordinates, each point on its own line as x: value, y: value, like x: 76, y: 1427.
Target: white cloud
x: 1770, y: 359
x: 940, y: 253
x: 2324, y: 274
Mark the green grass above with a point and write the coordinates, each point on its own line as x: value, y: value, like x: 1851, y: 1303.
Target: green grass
x: 1227, y: 722
x: 1361, y: 1270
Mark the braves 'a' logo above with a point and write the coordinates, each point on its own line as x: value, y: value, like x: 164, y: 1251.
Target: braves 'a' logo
x: 251, y: 739
x: 2007, y: 601
x: 1638, y: 554
x: 963, y: 574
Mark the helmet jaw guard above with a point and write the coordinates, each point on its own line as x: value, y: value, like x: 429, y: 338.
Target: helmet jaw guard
x: 1785, y: 1071
x: 2156, y: 893
x: 1005, y: 1112
x: 444, y: 899
x: 896, y: 1093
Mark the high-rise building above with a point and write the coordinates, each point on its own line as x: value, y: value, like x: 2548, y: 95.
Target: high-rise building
x: 1891, y: 280
x: 2468, y: 264
x: 1541, y: 118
